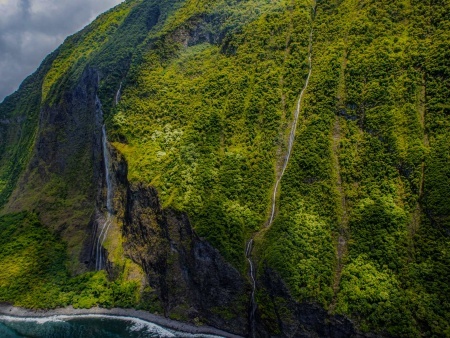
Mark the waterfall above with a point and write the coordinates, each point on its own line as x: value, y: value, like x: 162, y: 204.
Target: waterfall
x: 118, y: 94
x: 104, y: 223
x: 291, y: 135
x: 102, y: 229
x: 106, y: 161
x: 248, y: 252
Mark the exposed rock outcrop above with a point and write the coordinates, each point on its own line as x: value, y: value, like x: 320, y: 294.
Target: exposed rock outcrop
x: 62, y: 179
x: 191, y: 278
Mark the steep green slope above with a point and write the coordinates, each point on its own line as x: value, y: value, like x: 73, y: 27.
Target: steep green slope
x: 366, y: 169
x: 208, y: 91
x: 18, y: 125
x: 204, y: 126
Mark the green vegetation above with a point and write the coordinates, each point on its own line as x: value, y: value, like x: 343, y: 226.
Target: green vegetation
x: 374, y: 92
x: 34, y: 274
x: 208, y: 94
x: 77, y: 49
x: 204, y: 126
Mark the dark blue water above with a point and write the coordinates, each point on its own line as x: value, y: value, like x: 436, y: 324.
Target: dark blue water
x: 84, y: 326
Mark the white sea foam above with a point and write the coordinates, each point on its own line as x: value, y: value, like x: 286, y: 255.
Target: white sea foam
x: 198, y: 335
x: 37, y: 320
x: 137, y: 324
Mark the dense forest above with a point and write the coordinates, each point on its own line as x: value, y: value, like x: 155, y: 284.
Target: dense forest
x: 198, y: 98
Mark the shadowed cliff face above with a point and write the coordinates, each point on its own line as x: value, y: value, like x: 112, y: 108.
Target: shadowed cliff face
x: 69, y: 130
x: 63, y: 176
x: 191, y: 279
x: 287, y: 318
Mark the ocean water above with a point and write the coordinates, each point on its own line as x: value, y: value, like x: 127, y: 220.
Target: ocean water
x: 83, y: 326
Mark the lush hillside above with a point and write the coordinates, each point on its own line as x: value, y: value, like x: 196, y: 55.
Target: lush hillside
x: 364, y: 177
x: 33, y: 273
x: 198, y: 99
x: 205, y: 124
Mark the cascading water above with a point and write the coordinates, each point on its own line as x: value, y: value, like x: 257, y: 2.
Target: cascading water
x: 118, y: 94
x: 106, y: 159
x: 109, y: 203
x: 102, y: 230
x: 248, y: 253
x: 103, y: 227
x: 291, y: 135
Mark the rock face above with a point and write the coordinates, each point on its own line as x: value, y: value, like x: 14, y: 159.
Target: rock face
x: 191, y: 278
x: 69, y: 130
x: 293, y: 319
x: 63, y: 177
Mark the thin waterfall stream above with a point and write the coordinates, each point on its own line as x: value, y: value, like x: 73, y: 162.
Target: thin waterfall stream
x: 248, y: 253
x: 249, y: 247
x: 291, y: 135
x: 103, y: 228
x: 109, y: 202
x: 118, y: 94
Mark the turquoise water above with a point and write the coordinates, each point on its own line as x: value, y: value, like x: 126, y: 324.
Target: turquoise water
x: 84, y: 326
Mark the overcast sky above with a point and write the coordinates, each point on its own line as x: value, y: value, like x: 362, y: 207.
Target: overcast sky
x: 31, y: 29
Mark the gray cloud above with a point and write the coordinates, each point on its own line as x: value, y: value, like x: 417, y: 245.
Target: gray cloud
x: 31, y: 29
x: 24, y: 5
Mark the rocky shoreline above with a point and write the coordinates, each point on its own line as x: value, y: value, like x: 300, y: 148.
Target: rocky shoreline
x: 9, y: 310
